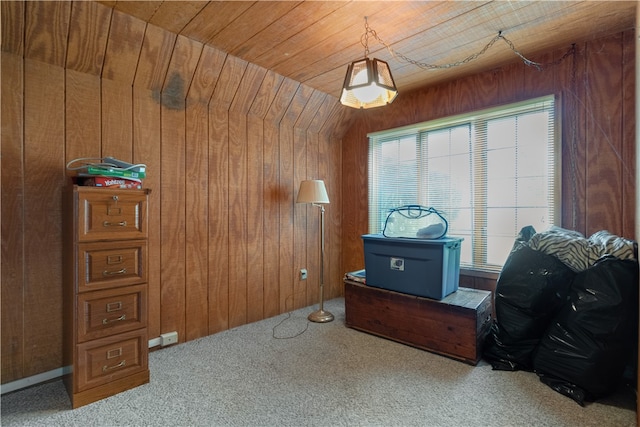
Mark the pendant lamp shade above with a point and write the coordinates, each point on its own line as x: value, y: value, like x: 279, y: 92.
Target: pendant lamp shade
x: 368, y: 84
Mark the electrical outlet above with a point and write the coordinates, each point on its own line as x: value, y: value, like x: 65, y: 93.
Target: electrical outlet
x: 303, y: 274
x: 168, y: 338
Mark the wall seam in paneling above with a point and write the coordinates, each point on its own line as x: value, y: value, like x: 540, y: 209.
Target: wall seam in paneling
x: 24, y: 39
x: 23, y: 154
x: 208, y: 213
x: 239, y: 86
x: 211, y: 101
x: 67, y: 42
x: 21, y: 133
x: 185, y: 247
x: 573, y: 142
x: 250, y: 107
x: 161, y: 145
x: 245, y: 222
x: 135, y: 71
x: 101, y: 114
x: 262, y: 192
x: 227, y: 203
x: 628, y: 114
x: 188, y: 88
x: 131, y: 125
x: 106, y: 46
x: 274, y: 98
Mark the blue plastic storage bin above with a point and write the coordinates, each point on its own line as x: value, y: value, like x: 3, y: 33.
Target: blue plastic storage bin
x: 421, y: 267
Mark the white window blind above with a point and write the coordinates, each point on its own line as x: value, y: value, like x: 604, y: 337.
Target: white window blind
x: 490, y: 173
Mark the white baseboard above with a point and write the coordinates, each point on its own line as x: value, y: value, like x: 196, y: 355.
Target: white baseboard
x: 51, y: 375
x: 33, y: 380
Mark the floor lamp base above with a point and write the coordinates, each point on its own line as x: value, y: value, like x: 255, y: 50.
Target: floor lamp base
x: 320, y: 316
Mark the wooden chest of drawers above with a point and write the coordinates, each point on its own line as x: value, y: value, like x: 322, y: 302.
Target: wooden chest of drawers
x: 454, y: 326
x: 106, y: 340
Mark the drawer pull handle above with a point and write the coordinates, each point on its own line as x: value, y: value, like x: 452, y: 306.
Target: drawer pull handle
x: 106, y: 368
x: 114, y: 273
x: 114, y: 224
x: 118, y: 319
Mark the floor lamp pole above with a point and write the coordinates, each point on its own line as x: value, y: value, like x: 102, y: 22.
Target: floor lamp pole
x: 321, y: 316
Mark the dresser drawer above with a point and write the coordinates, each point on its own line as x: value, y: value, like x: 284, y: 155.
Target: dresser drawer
x: 110, y: 359
x: 111, y: 264
x: 111, y: 214
x: 112, y: 311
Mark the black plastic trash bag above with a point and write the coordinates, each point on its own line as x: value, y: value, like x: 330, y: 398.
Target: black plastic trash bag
x: 531, y: 290
x: 508, y: 355
x: 592, y: 340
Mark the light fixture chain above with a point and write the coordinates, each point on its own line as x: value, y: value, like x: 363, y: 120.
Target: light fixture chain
x: 443, y: 66
x: 364, y: 40
x: 365, y: 37
x: 517, y: 52
x: 528, y: 62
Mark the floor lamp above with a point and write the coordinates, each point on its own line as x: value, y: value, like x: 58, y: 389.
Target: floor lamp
x: 313, y: 191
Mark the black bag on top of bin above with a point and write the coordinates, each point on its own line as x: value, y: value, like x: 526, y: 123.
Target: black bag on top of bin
x: 593, y: 338
x: 531, y: 290
x: 416, y: 222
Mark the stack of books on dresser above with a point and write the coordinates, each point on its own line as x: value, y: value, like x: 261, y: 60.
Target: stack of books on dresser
x: 113, y: 173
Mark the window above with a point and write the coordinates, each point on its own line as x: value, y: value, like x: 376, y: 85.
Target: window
x: 489, y: 173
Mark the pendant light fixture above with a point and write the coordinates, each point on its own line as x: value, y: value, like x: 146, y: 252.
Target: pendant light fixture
x: 368, y: 82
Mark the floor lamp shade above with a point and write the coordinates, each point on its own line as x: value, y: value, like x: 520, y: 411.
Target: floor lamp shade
x: 313, y: 191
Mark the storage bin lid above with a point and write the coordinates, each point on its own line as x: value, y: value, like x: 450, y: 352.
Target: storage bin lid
x: 447, y: 240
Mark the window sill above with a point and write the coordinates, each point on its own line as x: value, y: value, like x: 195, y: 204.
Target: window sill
x: 479, y: 273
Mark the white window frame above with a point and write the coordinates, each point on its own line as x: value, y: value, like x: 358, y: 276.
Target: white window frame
x: 476, y: 239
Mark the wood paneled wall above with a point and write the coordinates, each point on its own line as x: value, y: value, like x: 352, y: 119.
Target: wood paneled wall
x: 226, y: 144
x: 597, y: 88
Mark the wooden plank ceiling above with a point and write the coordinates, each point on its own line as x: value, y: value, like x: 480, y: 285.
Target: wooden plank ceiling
x: 312, y: 42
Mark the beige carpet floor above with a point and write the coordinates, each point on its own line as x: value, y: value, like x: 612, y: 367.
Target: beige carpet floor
x: 285, y: 371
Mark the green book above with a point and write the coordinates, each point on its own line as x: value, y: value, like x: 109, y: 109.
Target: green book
x: 114, y: 172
